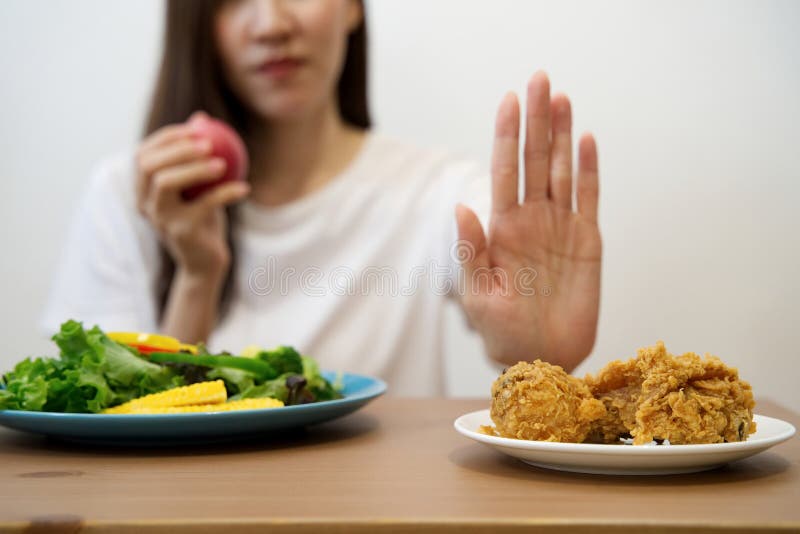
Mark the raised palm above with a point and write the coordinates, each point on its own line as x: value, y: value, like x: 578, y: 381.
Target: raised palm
x: 533, y: 285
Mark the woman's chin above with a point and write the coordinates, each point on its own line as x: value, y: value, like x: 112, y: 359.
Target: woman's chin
x: 287, y: 108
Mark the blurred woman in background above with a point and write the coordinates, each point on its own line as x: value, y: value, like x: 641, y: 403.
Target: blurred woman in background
x: 330, y: 209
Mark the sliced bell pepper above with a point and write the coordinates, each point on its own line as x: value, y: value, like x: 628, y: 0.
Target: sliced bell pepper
x: 147, y: 343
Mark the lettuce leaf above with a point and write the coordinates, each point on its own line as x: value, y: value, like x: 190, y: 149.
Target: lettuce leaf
x: 92, y: 373
x: 28, y: 387
x: 275, y: 389
x: 236, y: 380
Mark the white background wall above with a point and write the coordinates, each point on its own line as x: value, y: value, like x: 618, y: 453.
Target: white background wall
x: 694, y: 104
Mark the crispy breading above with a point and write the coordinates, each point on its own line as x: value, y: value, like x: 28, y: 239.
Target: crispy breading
x: 689, y: 399
x: 540, y: 401
x: 618, y: 386
x: 683, y: 399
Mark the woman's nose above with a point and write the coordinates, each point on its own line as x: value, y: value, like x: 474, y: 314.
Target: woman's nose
x: 270, y: 20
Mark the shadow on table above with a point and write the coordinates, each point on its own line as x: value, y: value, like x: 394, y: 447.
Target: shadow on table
x: 479, y: 458
x: 353, y: 427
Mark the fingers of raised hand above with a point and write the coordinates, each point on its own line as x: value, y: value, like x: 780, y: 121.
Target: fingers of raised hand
x: 505, y: 155
x: 588, y: 187
x: 561, y: 152
x: 471, y: 250
x: 537, y: 137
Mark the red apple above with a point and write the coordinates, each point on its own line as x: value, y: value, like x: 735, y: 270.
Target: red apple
x: 225, y: 144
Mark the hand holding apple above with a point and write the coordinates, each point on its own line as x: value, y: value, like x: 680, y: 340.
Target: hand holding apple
x: 225, y: 144
x: 186, y: 174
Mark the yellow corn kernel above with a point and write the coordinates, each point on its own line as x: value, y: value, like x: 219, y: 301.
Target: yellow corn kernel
x: 200, y: 393
x: 244, y: 404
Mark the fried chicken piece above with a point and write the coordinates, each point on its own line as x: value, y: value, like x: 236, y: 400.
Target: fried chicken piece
x: 689, y: 399
x: 618, y: 386
x: 684, y: 399
x: 539, y: 401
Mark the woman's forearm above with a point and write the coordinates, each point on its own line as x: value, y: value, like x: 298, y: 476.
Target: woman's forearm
x: 192, y: 306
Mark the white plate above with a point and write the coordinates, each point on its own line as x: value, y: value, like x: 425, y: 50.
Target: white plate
x: 627, y: 459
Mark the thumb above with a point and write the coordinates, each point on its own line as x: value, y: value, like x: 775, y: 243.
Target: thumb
x: 471, y: 251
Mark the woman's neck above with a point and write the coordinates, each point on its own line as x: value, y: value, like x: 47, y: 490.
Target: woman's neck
x: 293, y: 159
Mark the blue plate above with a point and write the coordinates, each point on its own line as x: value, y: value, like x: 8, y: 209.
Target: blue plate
x: 203, y: 427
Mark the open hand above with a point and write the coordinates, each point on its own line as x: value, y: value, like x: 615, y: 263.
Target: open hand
x: 533, y: 284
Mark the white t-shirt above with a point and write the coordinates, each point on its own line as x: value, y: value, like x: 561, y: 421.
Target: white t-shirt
x: 355, y: 274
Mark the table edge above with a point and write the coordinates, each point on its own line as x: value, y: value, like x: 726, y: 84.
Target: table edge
x: 387, y: 524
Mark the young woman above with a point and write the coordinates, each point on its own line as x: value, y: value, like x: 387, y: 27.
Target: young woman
x: 342, y: 242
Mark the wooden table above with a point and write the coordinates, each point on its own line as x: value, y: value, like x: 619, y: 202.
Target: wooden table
x: 397, y: 466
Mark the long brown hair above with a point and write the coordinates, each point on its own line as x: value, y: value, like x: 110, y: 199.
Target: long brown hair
x: 190, y: 78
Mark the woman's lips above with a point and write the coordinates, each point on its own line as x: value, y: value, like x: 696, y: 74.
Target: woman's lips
x: 280, y: 68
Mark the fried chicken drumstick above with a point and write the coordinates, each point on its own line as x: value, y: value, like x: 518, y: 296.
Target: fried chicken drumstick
x: 540, y: 401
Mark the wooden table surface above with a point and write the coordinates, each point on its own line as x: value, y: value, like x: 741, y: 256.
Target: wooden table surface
x: 396, y: 466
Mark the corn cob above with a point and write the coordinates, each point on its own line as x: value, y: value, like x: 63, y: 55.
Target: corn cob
x: 244, y: 404
x: 201, y: 393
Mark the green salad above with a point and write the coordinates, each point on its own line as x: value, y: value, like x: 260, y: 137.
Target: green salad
x: 94, y: 372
